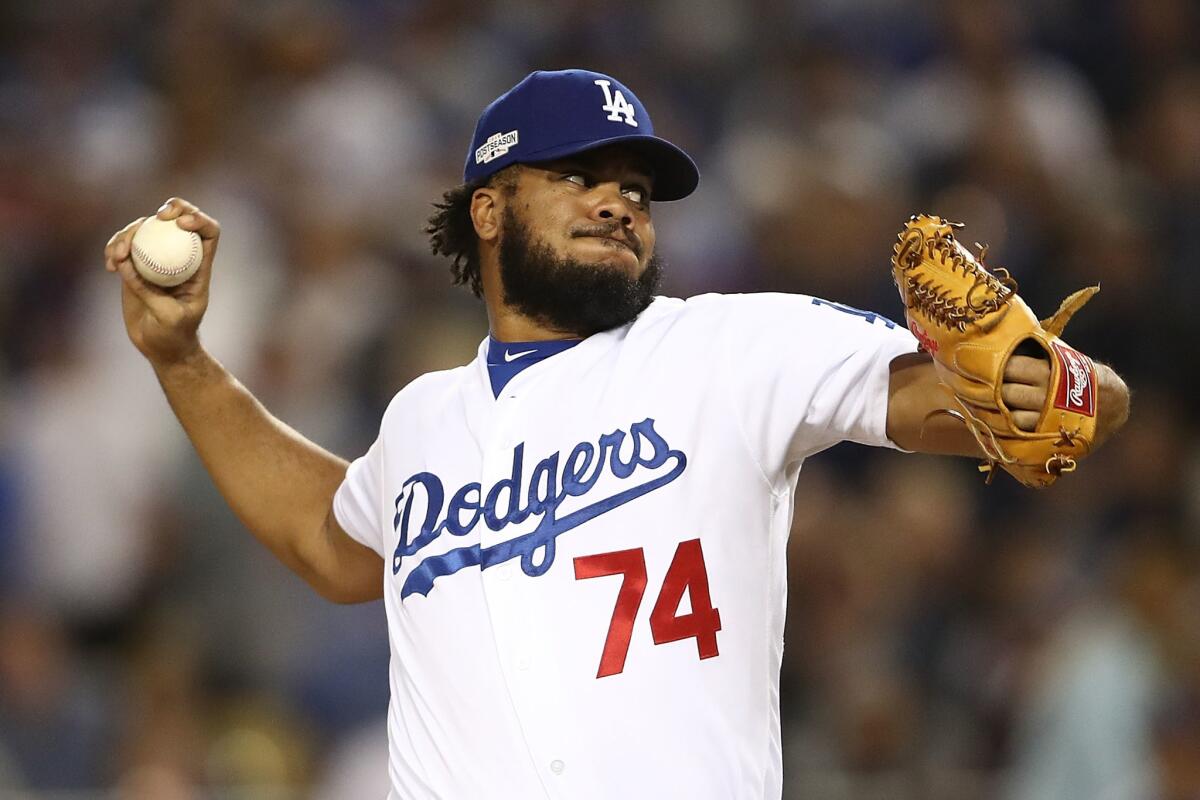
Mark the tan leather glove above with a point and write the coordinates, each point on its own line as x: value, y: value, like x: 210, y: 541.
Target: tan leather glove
x: 971, y: 320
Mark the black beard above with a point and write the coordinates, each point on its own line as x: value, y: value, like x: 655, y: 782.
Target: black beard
x: 565, y: 294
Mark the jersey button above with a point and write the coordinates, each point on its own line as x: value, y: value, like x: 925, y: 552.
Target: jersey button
x: 557, y: 767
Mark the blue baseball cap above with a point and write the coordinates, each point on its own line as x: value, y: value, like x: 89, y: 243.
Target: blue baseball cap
x: 550, y: 115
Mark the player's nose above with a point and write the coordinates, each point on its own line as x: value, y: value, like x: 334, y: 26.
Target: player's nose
x: 610, y: 204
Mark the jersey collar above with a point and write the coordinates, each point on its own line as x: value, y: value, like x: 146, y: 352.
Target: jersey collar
x: 506, y: 360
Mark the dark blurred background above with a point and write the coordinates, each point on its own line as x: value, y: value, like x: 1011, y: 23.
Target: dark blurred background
x: 946, y: 639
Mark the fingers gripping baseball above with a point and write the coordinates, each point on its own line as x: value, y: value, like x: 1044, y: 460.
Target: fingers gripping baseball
x: 191, y: 218
x: 162, y: 322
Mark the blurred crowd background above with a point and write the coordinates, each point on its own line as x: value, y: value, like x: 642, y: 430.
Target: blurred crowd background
x: 946, y: 639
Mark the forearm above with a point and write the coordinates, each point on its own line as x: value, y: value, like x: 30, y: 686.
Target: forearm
x: 916, y: 404
x: 279, y: 484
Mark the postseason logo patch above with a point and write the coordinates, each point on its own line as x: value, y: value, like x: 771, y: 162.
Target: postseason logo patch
x: 1077, y: 381
x: 498, y: 144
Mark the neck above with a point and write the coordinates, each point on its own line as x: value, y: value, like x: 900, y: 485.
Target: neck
x: 507, y: 325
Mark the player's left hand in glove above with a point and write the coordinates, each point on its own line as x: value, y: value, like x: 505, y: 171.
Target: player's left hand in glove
x: 972, y: 322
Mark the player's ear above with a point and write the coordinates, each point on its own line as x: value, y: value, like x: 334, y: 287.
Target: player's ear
x: 486, y: 206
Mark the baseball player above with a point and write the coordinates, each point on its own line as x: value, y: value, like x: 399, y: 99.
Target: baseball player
x: 579, y: 536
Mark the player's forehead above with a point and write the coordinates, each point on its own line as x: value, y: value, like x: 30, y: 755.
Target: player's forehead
x: 610, y: 160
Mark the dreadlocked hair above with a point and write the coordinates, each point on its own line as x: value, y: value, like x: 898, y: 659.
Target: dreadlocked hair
x: 452, y: 233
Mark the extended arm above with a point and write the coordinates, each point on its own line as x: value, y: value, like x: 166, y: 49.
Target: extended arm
x: 914, y: 395
x: 279, y: 484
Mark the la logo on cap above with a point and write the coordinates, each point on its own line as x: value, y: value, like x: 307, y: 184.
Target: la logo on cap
x: 616, y: 105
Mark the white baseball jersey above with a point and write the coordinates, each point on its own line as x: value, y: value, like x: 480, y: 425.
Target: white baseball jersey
x: 585, y: 576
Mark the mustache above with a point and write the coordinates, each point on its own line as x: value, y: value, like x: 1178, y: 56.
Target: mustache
x: 610, y: 230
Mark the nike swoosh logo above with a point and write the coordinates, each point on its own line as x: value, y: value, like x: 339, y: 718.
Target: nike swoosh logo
x: 514, y: 356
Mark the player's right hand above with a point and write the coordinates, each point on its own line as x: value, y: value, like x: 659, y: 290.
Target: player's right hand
x: 162, y: 322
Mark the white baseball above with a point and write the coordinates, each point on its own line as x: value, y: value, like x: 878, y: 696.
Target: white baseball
x: 164, y: 253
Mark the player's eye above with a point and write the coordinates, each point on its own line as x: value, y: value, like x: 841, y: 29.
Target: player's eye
x: 636, y: 194
x: 577, y: 177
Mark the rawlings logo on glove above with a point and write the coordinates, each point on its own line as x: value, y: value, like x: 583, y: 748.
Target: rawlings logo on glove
x: 1077, y: 392
x: 971, y: 321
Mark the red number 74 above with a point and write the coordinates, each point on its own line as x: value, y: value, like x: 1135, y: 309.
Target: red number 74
x: 686, y: 573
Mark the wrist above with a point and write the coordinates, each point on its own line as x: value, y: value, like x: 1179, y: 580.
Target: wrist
x: 188, y: 363
x: 1112, y: 404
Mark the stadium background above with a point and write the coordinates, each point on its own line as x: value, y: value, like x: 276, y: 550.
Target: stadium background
x: 945, y: 639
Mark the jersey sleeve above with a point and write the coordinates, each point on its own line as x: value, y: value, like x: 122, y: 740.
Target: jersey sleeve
x: 805, y: 373
x: 357, y: 502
